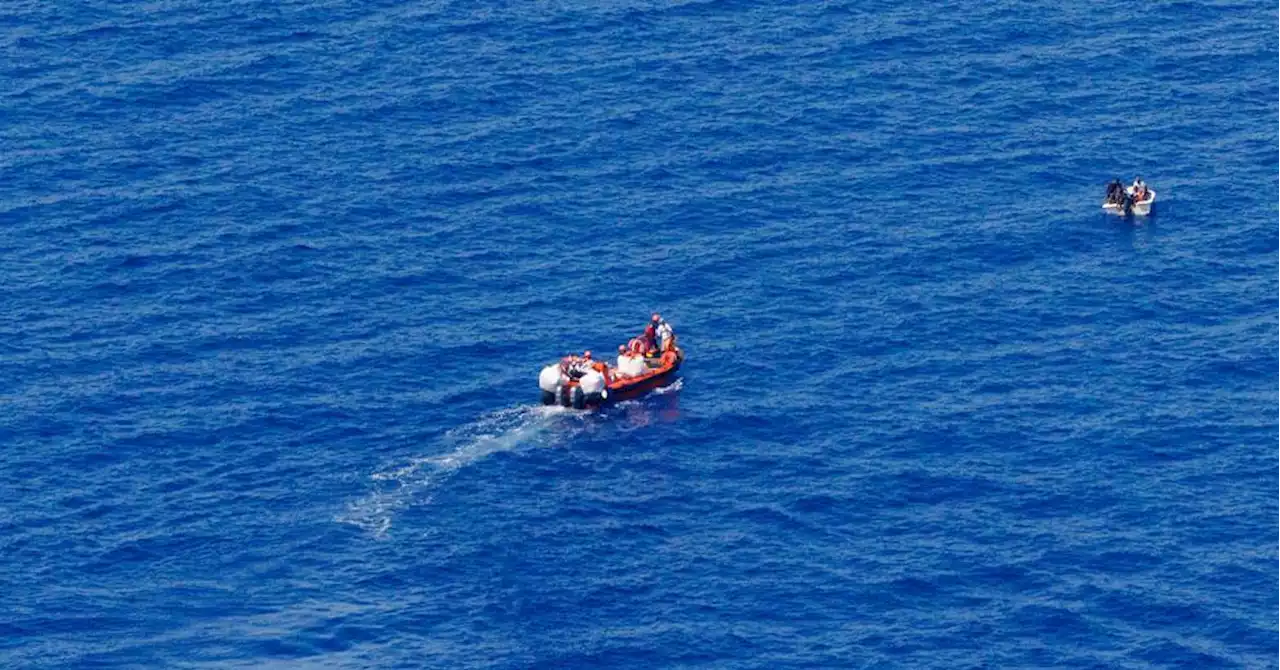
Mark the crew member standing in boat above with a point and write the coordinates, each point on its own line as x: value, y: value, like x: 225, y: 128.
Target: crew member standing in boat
x: 664, y: 332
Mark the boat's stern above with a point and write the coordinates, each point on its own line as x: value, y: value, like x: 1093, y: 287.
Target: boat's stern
x: 579, y: 392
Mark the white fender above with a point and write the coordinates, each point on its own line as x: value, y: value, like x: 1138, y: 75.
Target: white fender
x: 549, y: 378
x: 592, y: 382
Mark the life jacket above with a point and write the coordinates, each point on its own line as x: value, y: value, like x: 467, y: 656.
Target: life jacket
x: 638, y: 345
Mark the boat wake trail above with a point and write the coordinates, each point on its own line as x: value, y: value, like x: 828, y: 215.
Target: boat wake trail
x: 415, y: 482
x: 673, y: 388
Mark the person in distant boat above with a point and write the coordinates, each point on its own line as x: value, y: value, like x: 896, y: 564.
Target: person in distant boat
x: 1115, y: 192
x: 1139, y: 189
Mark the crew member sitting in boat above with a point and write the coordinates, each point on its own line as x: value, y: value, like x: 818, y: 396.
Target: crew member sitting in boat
x: 574, y: 367
x: 638, y: 346
x: 629, y: 364
x: 603, y: 369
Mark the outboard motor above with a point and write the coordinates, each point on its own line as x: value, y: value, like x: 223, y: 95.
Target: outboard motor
x: 558, y: 389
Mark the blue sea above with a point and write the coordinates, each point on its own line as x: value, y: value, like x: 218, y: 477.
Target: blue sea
x: 277, y: 278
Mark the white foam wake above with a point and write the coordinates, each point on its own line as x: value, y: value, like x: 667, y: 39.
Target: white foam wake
x: 671, y: 388
x: 415, y: 482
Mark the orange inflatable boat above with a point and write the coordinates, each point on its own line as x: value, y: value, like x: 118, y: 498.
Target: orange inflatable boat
x: 599, y: 384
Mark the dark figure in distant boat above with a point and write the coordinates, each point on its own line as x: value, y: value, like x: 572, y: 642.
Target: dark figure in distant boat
x: 1115, y: 192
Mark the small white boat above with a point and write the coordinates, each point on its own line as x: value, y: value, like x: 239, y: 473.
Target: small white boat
x: 1140, y: 207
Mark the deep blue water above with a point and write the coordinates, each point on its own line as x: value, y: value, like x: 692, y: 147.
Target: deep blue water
x: 276, y: 279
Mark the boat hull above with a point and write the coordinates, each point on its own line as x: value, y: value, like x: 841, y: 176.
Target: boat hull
x: 625, y: 389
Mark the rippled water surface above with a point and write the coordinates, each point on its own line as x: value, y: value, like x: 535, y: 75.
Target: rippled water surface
x: 276, y: 279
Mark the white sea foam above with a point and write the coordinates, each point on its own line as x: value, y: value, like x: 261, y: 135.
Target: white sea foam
x: 672, y: 388
x: 416, y: 481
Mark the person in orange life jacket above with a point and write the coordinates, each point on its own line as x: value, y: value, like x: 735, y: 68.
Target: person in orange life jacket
x: 650, y: 338
x: 603, y: 368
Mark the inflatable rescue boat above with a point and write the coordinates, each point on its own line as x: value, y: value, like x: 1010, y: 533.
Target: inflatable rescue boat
x: 600, y: 384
